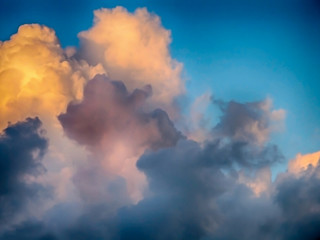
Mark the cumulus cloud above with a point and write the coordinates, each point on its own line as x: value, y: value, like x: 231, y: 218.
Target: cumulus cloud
x: 113, y: 123
x: 252, y: 121
x: 194, y: 197
x: 302, y: 162
x: 39, y: 78
x: 116, y: 166
x: 36, y: 78
x: 22, y: 147
x: 190, y: 182
x: 134, y: 48
x: 298, y: 199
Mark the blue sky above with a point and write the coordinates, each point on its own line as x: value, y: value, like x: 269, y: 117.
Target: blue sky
x: 241, y: 50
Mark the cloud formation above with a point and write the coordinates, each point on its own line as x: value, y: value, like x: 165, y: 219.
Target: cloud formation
x: 108, y: 110
x: 109, y: 162
x: 189, y: 184
x: 22, y: 147
x: 134, y: 48
x: 115, y: 126
x: 36, y: 78
x: 251, y: 122
x: 302, y: 162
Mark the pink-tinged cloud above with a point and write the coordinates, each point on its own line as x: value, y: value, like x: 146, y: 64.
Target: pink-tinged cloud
x: 108, y: 161
x: 113, y: 123
x: 134, y: 48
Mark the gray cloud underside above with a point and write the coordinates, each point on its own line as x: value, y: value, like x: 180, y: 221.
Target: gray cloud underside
x: 22, y: 147
x: 194, y: 192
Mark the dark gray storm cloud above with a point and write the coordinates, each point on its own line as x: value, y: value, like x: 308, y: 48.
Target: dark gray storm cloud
x: 22, y: 147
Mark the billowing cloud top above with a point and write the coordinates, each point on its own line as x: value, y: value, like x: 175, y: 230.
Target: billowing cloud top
x: 90, y: 148
x: 134, y: 47
x: 35, y: 75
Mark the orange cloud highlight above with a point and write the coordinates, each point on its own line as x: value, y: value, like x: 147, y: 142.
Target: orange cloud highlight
x: 301, y: 162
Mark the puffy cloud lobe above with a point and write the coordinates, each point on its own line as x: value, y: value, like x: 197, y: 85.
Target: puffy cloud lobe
x: 114, y: 124
x: 193, y: 200
x: 241, y: 153
x: 39, y: 78
x: 22, y: 148
x: 299, y: 200
x: 245, y: 128
x: 133, y: 47
x: 36, y: 78
x: 252, y: 121
x: 241, y: 134
x: 301, y: 162
x: 291, y: 211
x: 260, y: 183
x: 244, y: 216
x: 108, y: 110
x: 189, y: 185
x: 183, y: 188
